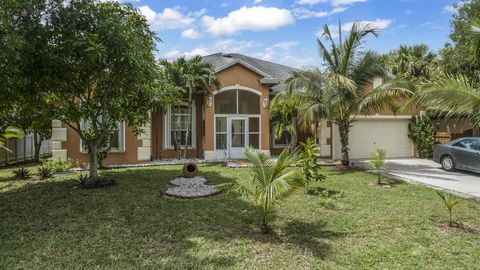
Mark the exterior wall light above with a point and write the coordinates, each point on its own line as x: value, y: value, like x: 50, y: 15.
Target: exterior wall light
x: 209, y: 100
x: 265, y: 103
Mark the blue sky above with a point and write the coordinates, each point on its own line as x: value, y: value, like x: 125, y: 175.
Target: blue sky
x: 285, y: 31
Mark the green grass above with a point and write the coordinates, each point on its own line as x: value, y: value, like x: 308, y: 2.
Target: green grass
x: 53, y: 224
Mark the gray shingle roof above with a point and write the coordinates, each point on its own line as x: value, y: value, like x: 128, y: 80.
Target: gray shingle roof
x: 273, y: 73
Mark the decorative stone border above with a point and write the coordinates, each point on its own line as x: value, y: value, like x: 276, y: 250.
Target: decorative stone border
x: 203, y: 182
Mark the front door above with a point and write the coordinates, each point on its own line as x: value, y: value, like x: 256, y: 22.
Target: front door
x: 237, y: 136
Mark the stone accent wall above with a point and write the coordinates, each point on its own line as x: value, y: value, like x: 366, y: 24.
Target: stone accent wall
x: 324, y: 134
x: 144, y: 151
x: 59, y: 135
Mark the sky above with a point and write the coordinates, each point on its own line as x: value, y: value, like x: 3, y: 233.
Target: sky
x: 285, y: 31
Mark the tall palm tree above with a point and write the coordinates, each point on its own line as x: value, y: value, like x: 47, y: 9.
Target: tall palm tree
x: 272, y: 181
x: 186, y: 77
x: 338, y: 92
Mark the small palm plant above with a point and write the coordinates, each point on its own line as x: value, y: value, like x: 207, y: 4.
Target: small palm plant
x: 272, y: 182
x: 378, y: 162
x: 309, y: 163
x: 450, y: 202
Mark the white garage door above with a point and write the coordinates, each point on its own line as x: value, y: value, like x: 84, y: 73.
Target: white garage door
x: 390, y: 135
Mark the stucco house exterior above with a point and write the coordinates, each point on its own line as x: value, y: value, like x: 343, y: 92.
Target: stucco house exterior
x: 226, y: 120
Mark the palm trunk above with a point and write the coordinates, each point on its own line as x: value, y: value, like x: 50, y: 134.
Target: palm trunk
x: 294, y: 135
x: 37, y: 141
x: 344, y: 130
x: 265, y: 229
x: 93, y: 159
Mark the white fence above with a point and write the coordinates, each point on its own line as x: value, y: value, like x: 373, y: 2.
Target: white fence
x: 23, y: 149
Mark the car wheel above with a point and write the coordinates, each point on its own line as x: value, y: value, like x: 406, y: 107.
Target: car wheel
x: 448, y: 164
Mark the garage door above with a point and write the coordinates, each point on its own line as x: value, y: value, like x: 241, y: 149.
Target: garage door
x: 390, y: 135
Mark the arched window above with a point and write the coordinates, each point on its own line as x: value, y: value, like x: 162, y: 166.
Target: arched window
x: 237, y: 101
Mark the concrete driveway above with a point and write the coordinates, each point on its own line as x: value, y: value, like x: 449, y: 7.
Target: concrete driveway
x: 429, y: 173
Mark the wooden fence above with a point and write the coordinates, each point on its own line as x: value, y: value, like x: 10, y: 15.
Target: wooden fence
x: 23, y: 149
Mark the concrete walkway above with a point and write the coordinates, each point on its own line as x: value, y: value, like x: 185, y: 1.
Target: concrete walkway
x: 429, y: 173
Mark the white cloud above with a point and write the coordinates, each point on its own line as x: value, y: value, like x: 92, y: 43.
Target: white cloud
x: 170, y: 18
x: 310, y: 2
x: 190, y: 33
x: 378, y: 24
x: 286, y: 45
x: 224, y: 45
x: 335, y: 3
x: 304, y: 13
x: 449, y: 9
x: 256, y: 18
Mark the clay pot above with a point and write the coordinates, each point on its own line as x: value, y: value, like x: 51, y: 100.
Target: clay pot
x: 190, y: 170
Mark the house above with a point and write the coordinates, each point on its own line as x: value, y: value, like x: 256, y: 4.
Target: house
x: 227, y: 120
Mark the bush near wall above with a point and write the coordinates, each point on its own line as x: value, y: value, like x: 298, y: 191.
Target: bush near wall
x: 421, y: 131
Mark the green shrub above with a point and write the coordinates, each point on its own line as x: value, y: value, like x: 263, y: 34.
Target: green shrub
x: 44, y: 172
x: 87, y: 182
x: 421, y: 131
x: 56, y: 166
x: 21, y: 174
x: 309, y: 163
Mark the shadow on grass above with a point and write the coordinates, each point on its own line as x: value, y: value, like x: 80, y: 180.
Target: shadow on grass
x: 133, y: 225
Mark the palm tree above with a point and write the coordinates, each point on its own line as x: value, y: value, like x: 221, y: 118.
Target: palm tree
x: 185, y: 78
x: 454, y: 96
x: 283, y: 114
x: 272, y: 181
x: 339, y: 91
x: 415, y: 62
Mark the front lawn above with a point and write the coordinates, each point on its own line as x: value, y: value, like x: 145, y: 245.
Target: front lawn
x: 53, y: 224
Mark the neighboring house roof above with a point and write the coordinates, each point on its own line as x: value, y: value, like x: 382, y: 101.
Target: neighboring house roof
x: 273, y: 74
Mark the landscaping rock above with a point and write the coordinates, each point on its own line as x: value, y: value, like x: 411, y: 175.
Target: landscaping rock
x: 195, y: 187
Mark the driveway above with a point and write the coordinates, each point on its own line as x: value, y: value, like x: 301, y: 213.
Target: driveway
x: 429, y: 173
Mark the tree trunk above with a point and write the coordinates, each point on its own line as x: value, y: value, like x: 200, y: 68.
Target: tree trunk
x: 265, y: 229
x: 344, y: 130
x: 37, y: 141
x: 92, y: 158
x: 294, y: 140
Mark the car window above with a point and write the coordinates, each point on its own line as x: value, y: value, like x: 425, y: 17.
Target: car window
x: 467, y: 143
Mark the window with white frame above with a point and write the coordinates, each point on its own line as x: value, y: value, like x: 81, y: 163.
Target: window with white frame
x: 118, y: 138
x: 180, y: 122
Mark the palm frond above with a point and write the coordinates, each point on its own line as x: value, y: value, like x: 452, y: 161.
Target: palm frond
x: 390, y: 95
x: 452, y: 96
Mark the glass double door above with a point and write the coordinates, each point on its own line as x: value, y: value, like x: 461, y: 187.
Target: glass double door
x: 235, y: 133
